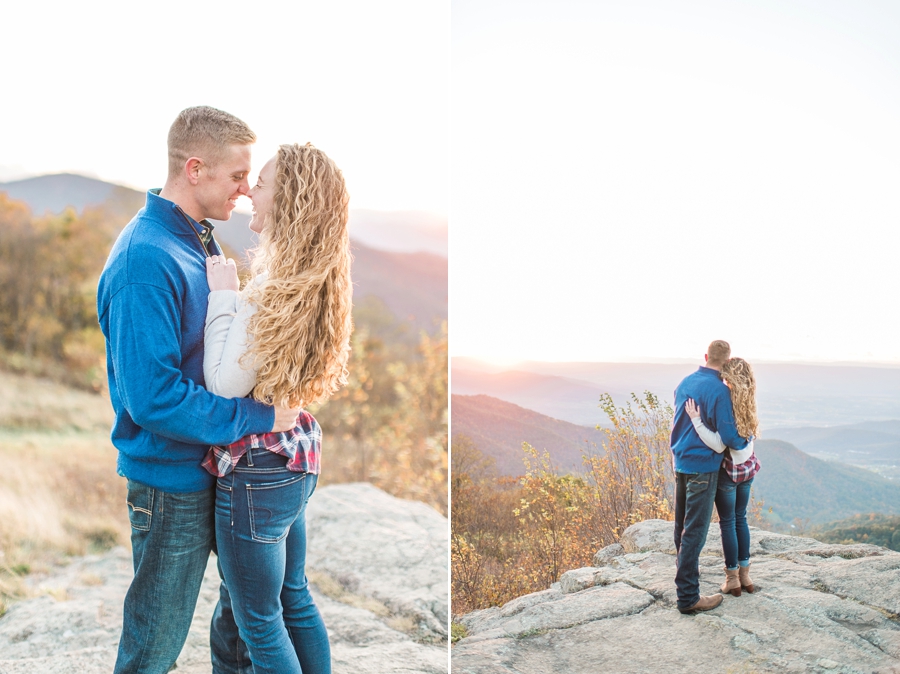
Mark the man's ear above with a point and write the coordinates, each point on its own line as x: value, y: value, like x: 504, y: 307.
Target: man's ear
x: 192, y: 169
x: 705, y: 357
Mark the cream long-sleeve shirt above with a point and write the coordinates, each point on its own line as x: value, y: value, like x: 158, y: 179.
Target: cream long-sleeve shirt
x: 225, y: 341
x: 714, y: 442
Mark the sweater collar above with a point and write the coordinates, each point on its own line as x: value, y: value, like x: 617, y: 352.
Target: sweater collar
x: 165, y: 210
x: 709, y: 372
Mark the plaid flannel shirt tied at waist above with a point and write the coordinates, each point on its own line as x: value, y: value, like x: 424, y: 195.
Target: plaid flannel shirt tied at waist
x: 302, y: 445
x: 741, y: 472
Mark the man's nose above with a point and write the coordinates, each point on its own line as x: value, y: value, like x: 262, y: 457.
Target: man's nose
x: 244, y: 187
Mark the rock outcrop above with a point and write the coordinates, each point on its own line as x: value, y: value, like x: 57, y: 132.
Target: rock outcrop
x: 817, y: 608
x: 378, y: 566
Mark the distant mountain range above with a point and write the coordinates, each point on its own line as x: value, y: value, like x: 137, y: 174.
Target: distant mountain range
x: 413, y: 285
x: 869, y: 528
x: 792, y: 483
x: 499, y: 428
x: 394, y: 231
x: 558, y: 397
x: 789, y: 395
x: 56, y: 193
x: 796, y: 485
x: 873, y: 444
x: 400, y: 231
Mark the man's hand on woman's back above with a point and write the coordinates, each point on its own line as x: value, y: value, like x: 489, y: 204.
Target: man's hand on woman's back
x: 285, y: 418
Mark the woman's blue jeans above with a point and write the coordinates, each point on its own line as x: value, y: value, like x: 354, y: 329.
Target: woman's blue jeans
x: 731, y: 504
x: 261, y: 537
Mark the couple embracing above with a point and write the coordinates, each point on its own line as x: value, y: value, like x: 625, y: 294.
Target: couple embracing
x: 712, y: 443
x: 208, y: 382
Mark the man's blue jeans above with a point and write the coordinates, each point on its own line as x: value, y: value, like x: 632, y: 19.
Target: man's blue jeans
x: 171, y: 538
x: 694, y: 497
x: 261, y: 535
x: 731, y: 504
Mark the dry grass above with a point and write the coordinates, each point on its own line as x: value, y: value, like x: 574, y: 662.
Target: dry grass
x: 39, y: 404
x: 59, y: 492
x: 332, y: 589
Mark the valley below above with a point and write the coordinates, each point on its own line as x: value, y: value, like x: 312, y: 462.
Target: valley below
x: 829, y: 439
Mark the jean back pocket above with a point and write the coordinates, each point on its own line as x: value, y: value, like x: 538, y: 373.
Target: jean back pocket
x: 140, y: 505
x: 697, y: 484
x: 274, y: 506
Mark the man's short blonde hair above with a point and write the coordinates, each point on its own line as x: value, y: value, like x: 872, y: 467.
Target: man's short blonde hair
x: 718, y: 352
x: 206, y: 133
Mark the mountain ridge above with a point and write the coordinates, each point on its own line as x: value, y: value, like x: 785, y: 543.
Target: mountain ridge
x: 874, y: 445
x: 789, y: 395
x: 802, y: 487
x: 391, y: 231
x: 412, y: 285
x: 498, y: 428
x: 794, y: 484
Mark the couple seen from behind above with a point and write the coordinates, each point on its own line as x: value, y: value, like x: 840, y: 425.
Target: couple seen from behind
x: 713, y: 431
x: 208, y: 383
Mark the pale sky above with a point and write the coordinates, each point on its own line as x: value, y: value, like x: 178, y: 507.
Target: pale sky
x: 634, y: 179
x: 92, y: 87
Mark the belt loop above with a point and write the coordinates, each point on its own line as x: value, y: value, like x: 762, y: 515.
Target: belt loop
x: 250, y: 457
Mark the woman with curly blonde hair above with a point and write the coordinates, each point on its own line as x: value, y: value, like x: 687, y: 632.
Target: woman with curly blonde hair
x: 284, y: 340
x: 739, y: 467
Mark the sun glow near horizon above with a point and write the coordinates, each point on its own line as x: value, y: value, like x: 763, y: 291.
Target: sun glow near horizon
x: 510, y: 364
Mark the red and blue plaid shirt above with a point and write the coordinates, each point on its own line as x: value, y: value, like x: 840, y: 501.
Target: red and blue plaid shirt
x: 741, y: 472
x: 302, y: 445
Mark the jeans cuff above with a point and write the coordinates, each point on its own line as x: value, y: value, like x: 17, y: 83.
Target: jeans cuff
x: 744, y: 562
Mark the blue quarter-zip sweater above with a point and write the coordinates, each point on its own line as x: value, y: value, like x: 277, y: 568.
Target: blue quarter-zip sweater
x: 708, y: 390
x: 152, y: 307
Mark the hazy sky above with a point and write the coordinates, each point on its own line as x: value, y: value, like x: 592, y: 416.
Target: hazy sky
x: 633, y: 179
x: 92, y: 87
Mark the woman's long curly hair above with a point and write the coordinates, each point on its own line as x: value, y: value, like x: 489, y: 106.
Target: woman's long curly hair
x: 300, y: 332
x: 738, y: 374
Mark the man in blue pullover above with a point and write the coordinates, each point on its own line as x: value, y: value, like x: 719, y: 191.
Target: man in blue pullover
x: 697, y: 471
x: 152, y: 303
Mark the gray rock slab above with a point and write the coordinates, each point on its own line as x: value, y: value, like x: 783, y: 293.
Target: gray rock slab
x: 658, y: 536
x: 817, y: 608
x: 578, y: 579
x: 606, y: 555
x: 383, y: 547
x: 562, y: 612
x: 74, y: 626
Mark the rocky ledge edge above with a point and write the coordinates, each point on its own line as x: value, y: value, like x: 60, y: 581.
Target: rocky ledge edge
x: 817, y: 608
x: 378, y: 569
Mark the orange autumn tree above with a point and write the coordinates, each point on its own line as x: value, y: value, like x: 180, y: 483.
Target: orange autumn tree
x: 388, y: 425
x: 511, y: 536
x: 49, y: 268
x: 632, y: 480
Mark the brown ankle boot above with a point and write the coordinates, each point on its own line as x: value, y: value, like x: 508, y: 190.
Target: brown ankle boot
x: 704, y: 604
x: 732, y: 583
x: 744, y: 577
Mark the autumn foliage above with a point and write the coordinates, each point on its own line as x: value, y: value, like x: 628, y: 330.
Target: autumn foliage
x: 387, y: 426
x: 49, y: 267
x: 511, y: 536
